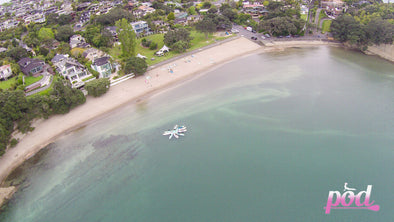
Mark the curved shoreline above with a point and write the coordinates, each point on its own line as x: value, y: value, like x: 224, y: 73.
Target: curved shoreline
x: 48, y: 131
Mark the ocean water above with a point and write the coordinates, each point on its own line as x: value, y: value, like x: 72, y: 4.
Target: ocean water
x: 269, y: 135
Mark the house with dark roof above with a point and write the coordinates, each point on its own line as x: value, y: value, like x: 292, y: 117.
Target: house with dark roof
x: 31, y: 66
x: 102, y: 66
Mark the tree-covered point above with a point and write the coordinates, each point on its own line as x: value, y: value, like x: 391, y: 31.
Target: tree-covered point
x: 97, y: 87
x: 373, y: 24
x: 18, y: 110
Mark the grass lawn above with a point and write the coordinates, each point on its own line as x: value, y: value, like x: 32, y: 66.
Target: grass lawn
x: 46, y: 92
x: 326, y: 26
x: 28, y: 81
x: 322, y: 15
x: 304, y: 17
x: 198, y: 41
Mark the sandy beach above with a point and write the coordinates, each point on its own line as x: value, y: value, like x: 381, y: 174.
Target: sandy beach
x: 47, y: 131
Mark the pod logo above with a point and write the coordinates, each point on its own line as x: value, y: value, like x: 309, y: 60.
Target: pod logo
x: 350, y: 200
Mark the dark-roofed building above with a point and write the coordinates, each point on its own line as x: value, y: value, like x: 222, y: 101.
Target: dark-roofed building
x: 102, y: 66
x: 31, y: 66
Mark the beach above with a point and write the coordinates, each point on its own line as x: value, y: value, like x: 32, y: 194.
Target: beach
x: 46, y: 131
x: 157, y: 78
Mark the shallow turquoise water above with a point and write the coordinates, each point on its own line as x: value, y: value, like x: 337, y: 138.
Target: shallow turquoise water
x: 269, y: 136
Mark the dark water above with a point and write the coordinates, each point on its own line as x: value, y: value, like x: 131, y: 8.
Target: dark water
x: 269, y: 136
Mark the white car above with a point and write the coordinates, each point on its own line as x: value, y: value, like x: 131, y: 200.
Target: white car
x: 234, y: 30
x: 263, y: 37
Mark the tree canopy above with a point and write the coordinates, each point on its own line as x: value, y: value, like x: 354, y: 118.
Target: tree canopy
x: 17, y: 109
x: 281, y: 26
x: 64, y: 33
x: 176, y: 35
x: 113, y: 16
x: 136, y: 65
x: 98, y: 87
x: 46, y: 34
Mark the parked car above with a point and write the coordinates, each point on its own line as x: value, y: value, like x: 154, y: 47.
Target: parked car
x: 249, y: 29
x: 280, y: 36
x: 234, y: 30
x: 296, y: 36
x: 267, y: 35
x: 254, y: 31
x: 263, y: 37
x: 253, y: 38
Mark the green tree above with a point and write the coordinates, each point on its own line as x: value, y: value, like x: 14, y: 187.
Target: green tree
x: 176, y: 35
x: 171, y: 16
x: 114, y: 15
x: 206, y: 5
x: 153, y: 46
x: 191, y: 10
x: 127, y: 38
x: 106, y: 39
x: 91, y: 32
x: 379, y: 31
x: 64, y: 33
x: 66, y: 98
x: 180, y: 46
x: 346, y: 28
x: 206, y: 26
x: 98, y: 87
x: 43, y: 51
x: 63, y: 48
x: 46, y: 34
x: 230, y: 14
x: 64, y: 19
x: 213, y: 10
x: 136, y: 65
x: 281, y: 26
x: 17, y: 53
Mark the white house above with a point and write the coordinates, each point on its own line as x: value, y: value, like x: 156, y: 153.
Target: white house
x: 70, y: 69
x: 5, y: 72
x: 140, y: 27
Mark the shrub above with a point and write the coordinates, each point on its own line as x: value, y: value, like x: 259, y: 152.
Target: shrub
x: 153, y: 46
x: 14, y: 142
x: 136, y: 65
x: 145, y: 43
x: 97, y: 87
